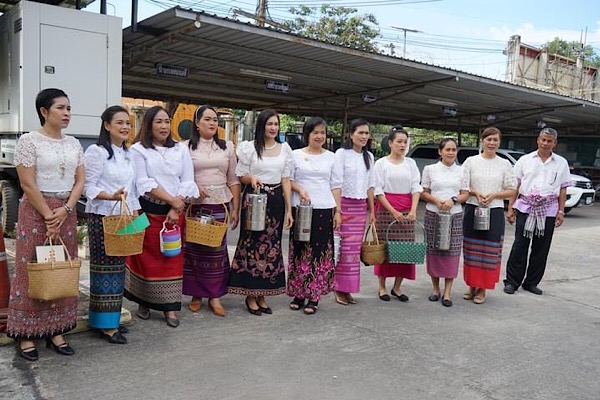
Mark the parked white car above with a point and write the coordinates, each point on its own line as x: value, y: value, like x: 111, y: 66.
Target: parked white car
x: 580, y: 192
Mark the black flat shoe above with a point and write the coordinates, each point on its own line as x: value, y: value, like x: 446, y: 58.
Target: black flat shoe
x: 123, y: 329
x: 28, y: 353
x: 433, y: 297
x: 447, y: 302
x: 252, y: 310
x: 533, y: 289
x: 265, y: 310
x: 384, y: 297
x: 63, y: 349
x: 115, y: 338
x: 402, y: 297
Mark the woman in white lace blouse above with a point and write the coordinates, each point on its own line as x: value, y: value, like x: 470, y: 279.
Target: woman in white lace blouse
x: 490, y: 180
x: 50, y: 168
x: 355, y: 193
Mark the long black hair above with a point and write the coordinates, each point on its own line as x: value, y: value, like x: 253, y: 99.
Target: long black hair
x: 45, y: 99
x: 354, y: 124
x: 395, y: 131
x: 104, y: 137
x: 259, y: 131
x: 310, y: 126
x: 144, y: 136
x: 195, y: 137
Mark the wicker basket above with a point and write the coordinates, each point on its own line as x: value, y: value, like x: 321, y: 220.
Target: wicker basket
x: 372, y: 251
x: 207, y: 234
x: 53, y: 280
x: 121, y: 245
x: 406, y: 252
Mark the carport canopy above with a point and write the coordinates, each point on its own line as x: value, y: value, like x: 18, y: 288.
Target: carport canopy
x: 190, y: 56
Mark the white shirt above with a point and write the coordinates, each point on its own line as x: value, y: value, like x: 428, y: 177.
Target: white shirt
x: 488, y: 175
x: 55, y: 160
x: 444, y: 183
x: 402, y: 178
x: 356, y: 179
x: 269, y: 170
x: 541, y: 178
x: 168, y: 168
x: 315, y: 173
x: 104, y: 175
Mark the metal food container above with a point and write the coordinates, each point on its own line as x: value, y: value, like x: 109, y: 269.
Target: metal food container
x: 303, y: 222
x: 257, y: 211
x: 443, y: 232
x: 481, y: 220
x: 337, y: 243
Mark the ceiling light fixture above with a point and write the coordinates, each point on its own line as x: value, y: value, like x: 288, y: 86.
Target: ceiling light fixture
x: 552, y: 120
x: 442, y: 102
x: 262, y: 74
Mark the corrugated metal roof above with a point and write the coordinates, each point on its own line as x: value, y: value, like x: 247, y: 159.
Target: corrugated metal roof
x: 326, y: 79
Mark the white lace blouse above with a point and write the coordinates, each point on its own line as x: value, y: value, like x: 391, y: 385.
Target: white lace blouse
x: 356, y: 179
x: 485, y: 176
x: 55, y: 160
x: 168, y: 168
x: 269, y: 170
x: 104, y: 175
x: 315, y: 173
x: 444, y: 183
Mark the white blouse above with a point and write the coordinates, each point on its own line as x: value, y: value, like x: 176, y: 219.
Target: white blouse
x: 485, y: 176
x: 269, y: 170
x: 315, y: 173
x: 444, y: 182
x: 400, y: 178
x: 104, y: 175
x: 356, y: 179
x: 168, y: 168
x: 55, y: 160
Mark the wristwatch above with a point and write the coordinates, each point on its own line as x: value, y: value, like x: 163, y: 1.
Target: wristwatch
x: 454, y: 199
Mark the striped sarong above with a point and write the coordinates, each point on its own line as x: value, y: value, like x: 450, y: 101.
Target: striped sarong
x: 483, y: 249
x: 443, y: 263
x: 347, y: 271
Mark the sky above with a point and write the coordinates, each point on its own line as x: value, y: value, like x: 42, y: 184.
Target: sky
x: 467, y: 35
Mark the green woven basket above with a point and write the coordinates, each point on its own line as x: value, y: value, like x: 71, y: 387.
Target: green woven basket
x: 403, y: 252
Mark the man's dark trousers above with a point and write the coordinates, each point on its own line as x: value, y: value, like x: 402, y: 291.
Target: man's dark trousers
x: 517, y: 261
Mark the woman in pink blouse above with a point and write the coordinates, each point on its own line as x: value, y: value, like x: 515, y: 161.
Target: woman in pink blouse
x: 206, y: 269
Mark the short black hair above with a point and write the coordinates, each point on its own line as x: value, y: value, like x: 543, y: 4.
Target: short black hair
x: 45, y: 99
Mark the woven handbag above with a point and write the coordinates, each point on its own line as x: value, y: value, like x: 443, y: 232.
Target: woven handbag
x: 126, y: 244
x: 372, y: 250
x: 55, y: 279
x: 406, y: 252
x: 206, y: 233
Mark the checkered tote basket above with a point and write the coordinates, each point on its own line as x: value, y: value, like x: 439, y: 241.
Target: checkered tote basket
x: 406, y: 252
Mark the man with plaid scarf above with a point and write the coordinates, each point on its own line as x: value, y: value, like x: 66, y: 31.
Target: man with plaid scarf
x: 543, y: 178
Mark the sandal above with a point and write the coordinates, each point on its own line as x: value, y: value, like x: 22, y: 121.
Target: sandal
x: 469, y: 294
x: 340, y: 298
x: 297, y: 304
x: 350, y: 299
x: 479, y: 298
x: 311, y: 307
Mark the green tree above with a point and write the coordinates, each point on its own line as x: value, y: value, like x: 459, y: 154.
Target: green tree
x: 337, y: 25
x: 571, y: 49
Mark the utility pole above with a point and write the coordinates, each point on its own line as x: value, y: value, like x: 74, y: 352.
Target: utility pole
x: 405, y: 30
x: 261, y: 13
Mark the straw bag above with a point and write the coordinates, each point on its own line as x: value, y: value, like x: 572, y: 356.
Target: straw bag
x: 126, y: 244
x: 406, y: 252
x: 205, y: 231
x: 55, y: 279
x: 372, y: 251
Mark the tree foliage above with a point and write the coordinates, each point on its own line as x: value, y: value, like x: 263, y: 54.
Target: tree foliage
x: 571, y: 49
x: 337, y: 25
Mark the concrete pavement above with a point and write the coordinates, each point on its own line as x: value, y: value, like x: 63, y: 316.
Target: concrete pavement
x: 512, y: 347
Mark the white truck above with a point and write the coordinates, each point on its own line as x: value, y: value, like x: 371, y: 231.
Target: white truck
x: 43, y: 46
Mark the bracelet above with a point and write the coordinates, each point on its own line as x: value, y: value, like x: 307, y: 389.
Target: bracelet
x: 561, y: 212
x: 66, y: 207
x: 338, y: 211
